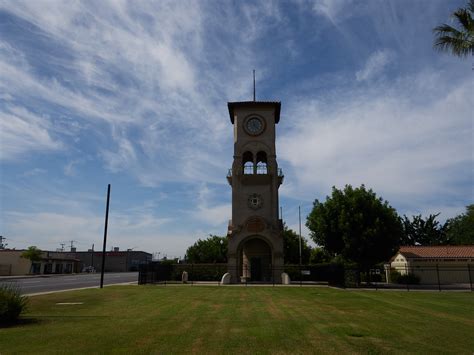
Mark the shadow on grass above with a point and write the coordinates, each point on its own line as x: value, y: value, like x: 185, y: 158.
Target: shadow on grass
x: 20, y: 322
x: 71, y: 317
x: 42, y: 319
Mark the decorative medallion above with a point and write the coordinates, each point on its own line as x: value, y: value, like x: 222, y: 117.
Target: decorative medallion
x: 255, y: 201
x: 255, y: 225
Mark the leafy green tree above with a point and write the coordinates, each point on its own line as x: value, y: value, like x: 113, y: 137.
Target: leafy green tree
x: 357, y: 225
x: 210, y: 250
x: 459, y: 41
x: 460, y: 229
x: 291, y: 247
x: 419, y: 231
x: 319, y: 255
x: 33, y: 254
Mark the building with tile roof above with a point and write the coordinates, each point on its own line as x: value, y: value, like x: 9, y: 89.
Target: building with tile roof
x: 445, y: 264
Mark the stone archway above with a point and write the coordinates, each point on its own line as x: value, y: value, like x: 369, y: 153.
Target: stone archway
x: 255, y: 260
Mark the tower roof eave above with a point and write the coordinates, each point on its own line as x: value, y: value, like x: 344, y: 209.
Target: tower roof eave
x: 275, y: 104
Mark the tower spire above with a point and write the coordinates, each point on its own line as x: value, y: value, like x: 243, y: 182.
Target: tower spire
x: 254, y: 85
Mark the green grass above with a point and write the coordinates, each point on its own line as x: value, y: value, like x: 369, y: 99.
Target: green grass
x: 264, y: 320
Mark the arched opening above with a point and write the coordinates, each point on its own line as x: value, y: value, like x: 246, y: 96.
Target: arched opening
x: 247, y: 161
x: 262, y: 163
x: 255, y: 260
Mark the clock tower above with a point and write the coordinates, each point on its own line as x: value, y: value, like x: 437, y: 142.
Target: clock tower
x: 255, y: 241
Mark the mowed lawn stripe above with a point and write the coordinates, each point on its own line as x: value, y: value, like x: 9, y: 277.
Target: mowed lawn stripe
x: 264, y: 320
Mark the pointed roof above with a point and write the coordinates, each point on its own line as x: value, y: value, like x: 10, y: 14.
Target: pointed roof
x: 275, y: 104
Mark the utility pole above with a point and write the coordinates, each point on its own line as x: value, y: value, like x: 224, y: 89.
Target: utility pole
x: 254, y: 85
x: 105, y: 238
x: 299, y: 217
x: 92, y: 255
x: 72, y: 244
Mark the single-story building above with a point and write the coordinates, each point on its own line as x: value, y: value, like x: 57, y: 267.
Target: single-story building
x: 444, y: 264
x: 115, y: 260
x: 63, y: 262
x: 12, y: 264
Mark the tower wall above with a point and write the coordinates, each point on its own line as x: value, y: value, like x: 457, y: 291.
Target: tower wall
x: 255, y: 204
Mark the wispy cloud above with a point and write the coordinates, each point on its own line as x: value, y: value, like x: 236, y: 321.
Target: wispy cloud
x: 22, y: 131
x: 384, y: 138
x: 209, y: 211
x: 376, y: 63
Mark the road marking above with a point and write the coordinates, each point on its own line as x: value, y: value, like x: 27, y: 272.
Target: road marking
x: 31, y: 281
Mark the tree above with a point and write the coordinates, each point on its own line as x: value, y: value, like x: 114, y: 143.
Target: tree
x: 460, y: 229
x: 210, y: 250
x: 319, y: 255
x: 357, y: 225
x: 291, y: 247
x: 460, y: 42
x: 33, y: 254
x: 419, y: 231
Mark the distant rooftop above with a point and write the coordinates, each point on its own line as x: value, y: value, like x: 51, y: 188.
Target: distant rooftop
x: 439, y: 251
x: 275, y: 104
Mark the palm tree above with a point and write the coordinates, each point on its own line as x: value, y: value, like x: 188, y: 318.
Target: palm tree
x: 459, y: 42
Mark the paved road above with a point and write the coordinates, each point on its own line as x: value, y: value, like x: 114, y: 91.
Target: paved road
x: 68, y: 282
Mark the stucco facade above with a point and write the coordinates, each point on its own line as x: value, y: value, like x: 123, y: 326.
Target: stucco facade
x: 446, y: 264
x: 255, y: 244
x: 12, y: 264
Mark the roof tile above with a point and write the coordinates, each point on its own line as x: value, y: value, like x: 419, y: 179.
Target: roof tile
x: 439, y: 251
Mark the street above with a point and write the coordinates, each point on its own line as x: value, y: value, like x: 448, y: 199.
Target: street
x: 68, y: 282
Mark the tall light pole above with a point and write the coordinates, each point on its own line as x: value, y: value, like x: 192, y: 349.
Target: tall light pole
x: 299, y: 217
x: 105, y: 238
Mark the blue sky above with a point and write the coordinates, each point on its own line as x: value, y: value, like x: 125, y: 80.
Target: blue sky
x: 134, y: 93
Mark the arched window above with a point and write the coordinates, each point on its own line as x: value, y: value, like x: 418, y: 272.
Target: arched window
x: 247, y: 161
x: 262, y: 163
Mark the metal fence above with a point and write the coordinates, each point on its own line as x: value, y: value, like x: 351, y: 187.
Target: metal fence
x: 411, y: 278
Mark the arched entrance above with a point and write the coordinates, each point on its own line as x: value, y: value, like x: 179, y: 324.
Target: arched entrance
x: 255, y: 262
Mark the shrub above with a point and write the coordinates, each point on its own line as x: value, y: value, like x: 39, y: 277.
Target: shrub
x: 12, y: 303
x: 410, y: 279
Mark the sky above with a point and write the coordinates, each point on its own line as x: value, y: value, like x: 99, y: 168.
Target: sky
x: 134, y: 93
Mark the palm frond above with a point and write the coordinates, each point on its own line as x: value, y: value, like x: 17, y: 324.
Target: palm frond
x: 464, y: 18
x: 457, y: 46
x: 470, y: 6
x: 458, y: 41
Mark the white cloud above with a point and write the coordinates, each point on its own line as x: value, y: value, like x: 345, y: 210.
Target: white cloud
x: 334, y: 10
x: 208, y: 211
x: 22, y: 131
x: 375, y: 64
x: 145, y: 73
x: 408, y: 152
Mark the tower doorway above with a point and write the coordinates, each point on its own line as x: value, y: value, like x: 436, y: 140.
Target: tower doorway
x: 255, y: 260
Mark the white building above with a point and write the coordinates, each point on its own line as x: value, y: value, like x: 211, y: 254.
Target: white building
x: 446, y: 264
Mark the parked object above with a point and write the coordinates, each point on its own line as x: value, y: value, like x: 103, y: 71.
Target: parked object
x: 89, y: 269
x: 285, y: 279
x: 226, y: 278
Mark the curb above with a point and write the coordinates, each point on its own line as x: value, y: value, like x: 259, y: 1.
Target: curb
x: 77, y: 289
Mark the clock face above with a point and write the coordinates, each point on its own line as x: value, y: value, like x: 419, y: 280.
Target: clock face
x: 255, y: 201
x: 254, y: 125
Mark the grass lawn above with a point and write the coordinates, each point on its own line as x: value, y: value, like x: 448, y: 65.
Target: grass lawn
x: 264, y: 320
